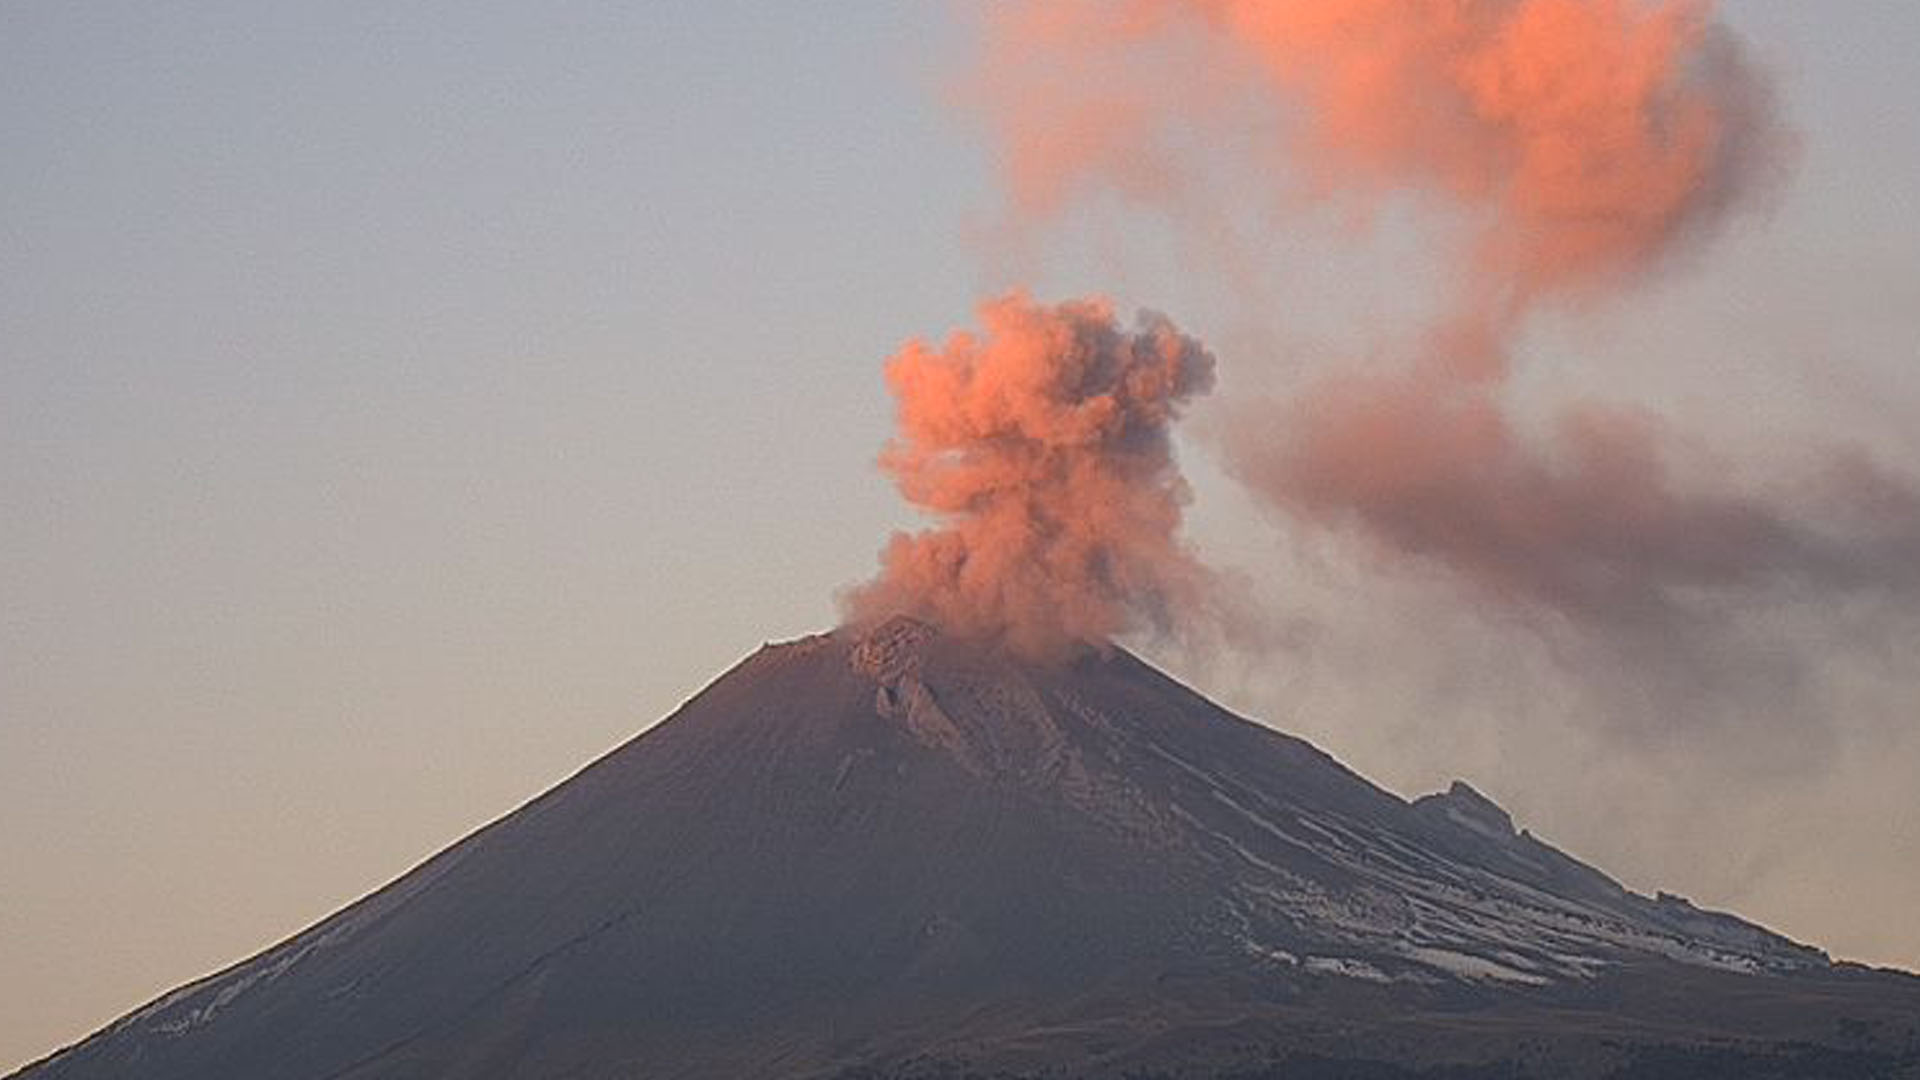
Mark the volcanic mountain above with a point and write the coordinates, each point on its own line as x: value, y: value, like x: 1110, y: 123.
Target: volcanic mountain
x: 892, y: 853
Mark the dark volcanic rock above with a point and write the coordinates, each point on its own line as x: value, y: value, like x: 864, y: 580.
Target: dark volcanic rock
x: 899, y: 855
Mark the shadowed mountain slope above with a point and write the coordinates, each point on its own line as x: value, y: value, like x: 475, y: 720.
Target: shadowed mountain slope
x: 897, y: 854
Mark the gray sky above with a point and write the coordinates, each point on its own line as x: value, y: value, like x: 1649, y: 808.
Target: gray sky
x: 402, y: 404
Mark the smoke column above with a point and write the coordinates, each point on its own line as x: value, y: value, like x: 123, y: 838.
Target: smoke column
x: 1041, y: 445
x: 1572, y: 148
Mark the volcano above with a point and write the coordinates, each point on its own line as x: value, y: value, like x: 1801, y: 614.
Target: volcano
x: 893, y: 853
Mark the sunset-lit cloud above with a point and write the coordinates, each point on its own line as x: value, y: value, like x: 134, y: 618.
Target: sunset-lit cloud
x: 1040, y: 445
x: 1566, y: 150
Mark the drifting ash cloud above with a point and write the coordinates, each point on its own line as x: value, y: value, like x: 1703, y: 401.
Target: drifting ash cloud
x: 1591, y: 521
x: 1586, y: 139
x: 1041, y: 443
x: 1582, y: 139
x: 1566, y: 151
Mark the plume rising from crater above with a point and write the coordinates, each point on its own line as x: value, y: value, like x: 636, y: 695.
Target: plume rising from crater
x: 1040, y: 444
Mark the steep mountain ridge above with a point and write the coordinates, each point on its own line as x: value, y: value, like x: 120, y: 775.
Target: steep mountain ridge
x: 896, y: 851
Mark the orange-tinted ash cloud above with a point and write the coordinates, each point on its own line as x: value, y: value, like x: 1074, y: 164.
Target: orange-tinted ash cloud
x: 1586, y: 137
x: 1580, y: 140
x: 1572, y: 148
x: 1040, y: 444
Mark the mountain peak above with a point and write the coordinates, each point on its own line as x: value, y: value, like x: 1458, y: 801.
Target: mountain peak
x: 1463, y: 805
x: 891, y: 649
x: 958, y: 697
x: 886, y: 845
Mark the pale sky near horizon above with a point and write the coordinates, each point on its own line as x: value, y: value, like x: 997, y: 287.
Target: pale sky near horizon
x: 401, y: 404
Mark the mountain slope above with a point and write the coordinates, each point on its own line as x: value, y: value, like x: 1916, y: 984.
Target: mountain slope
x: 898, y: 852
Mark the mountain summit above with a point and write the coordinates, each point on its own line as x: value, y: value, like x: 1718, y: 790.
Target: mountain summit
x: 892, y: 853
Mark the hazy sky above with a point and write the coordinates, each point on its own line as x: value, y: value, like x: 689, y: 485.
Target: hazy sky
x: 401, y: 404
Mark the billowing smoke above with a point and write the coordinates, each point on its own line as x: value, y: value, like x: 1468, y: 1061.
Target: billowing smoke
x: 1569, y: 148
x: 1041, y: 444
x: 1584, y: 138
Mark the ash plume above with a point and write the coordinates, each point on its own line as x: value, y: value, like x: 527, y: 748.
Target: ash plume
x: 1041, y: 444
x: 1591, y: 523
x: 1584, y: 139
x: 1566, y: 151
x: 1581, y: 141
